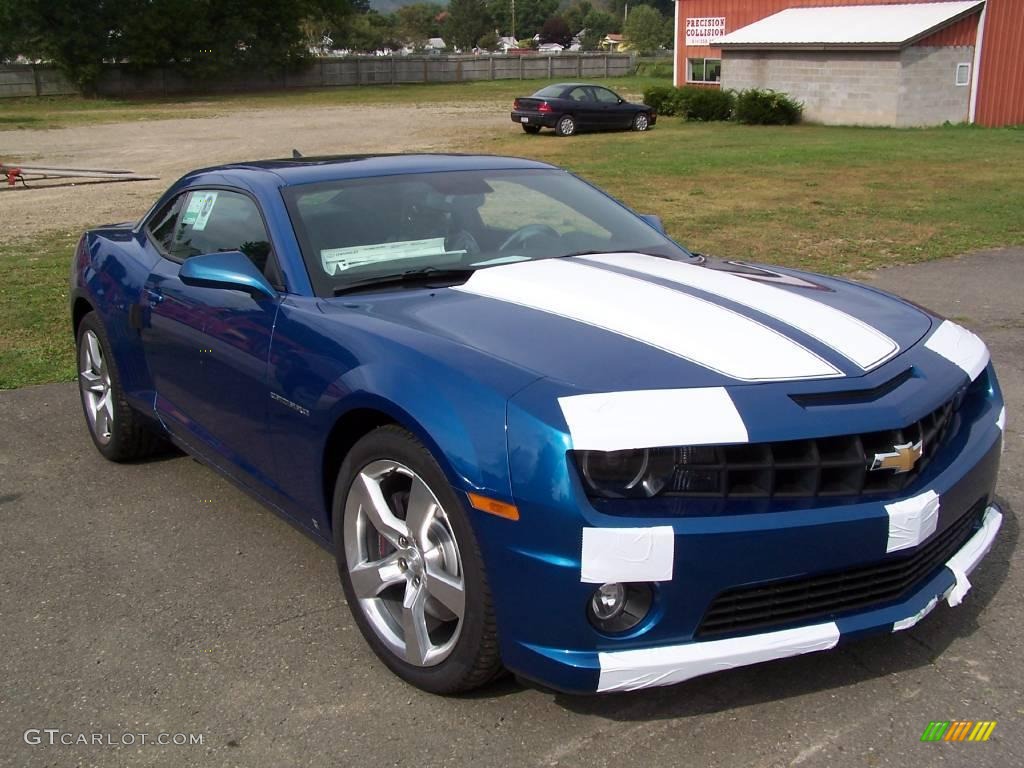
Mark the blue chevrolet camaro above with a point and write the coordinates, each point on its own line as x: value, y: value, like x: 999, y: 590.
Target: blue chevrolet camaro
x: 537, y: 433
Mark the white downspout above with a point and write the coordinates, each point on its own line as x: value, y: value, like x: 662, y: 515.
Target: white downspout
x: 977, y: 65
x: 676, y: 51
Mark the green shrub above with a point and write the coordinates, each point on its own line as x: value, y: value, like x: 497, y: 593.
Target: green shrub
x: 704, y: 104
x: 767, y: 107
x: 661, y: 98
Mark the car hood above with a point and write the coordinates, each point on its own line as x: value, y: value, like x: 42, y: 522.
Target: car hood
x: 631, y: 321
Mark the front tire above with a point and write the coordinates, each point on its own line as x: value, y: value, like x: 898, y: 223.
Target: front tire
x: 410, y: 566
x: 566, y: 125
x: 118, y: 431
x: 532, y: 129
x: 641, y: 122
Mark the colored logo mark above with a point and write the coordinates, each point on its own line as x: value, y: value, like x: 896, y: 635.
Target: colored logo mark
x: 958, y: 730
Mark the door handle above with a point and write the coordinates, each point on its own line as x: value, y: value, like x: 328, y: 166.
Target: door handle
x: 155, y: 296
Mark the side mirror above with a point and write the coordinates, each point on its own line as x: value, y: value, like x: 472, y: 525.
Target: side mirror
x: 228, y: 269
x: 654, y: 221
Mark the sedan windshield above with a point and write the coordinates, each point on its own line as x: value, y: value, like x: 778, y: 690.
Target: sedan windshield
x: 357, y: 230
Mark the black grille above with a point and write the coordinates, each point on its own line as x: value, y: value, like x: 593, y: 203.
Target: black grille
x: 804, y: 599
x: 830, y: 466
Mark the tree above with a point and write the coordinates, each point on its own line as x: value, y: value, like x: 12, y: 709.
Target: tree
x: 469, y: 20
x: 597, y: 25
x: 556, y: 30
x: 368, y: 32
x: 530, y: 16
x: 646, y: 29
x: 418, y: 22
x: 488, y: 42
x: 665, y: 7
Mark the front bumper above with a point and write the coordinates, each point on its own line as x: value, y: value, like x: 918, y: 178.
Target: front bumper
x: 644, y: 667
x: 545, y: 578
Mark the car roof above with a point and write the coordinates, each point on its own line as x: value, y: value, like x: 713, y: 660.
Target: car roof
x: 309, y: 170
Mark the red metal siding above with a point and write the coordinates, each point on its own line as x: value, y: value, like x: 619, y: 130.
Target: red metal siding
x: 1001, y: 73
x: 962, y: 32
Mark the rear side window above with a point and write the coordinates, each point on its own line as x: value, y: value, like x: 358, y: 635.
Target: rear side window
x: 161, y: 224
x: 215, y: 220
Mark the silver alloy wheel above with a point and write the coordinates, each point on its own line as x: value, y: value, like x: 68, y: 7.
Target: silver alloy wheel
x: 404, y: 563
x: 640, y: 123
x: 97, y: 394
x: 567, y: 126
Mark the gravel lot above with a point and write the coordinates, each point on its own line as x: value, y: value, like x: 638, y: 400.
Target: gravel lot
x: 170, y: 148
x: 157, y: 598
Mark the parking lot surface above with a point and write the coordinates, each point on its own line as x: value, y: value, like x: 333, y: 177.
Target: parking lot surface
x: 157, y: 598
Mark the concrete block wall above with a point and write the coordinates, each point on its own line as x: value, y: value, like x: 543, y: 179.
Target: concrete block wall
x: 929, y: 94
x: 836, y: 87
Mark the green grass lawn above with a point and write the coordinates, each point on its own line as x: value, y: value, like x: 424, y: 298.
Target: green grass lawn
x: 66, y: 111
x: 835, y: 200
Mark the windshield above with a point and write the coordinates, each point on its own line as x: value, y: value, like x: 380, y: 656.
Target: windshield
x: 358, y: 230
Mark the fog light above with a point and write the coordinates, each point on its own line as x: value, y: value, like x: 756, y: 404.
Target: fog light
x: 619, y: 607
x: 608, y: 601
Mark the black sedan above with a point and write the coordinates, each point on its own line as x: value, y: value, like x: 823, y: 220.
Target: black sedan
x: 573, y: 107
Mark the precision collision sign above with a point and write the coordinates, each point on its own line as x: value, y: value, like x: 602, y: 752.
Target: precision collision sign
x: 705, y: 30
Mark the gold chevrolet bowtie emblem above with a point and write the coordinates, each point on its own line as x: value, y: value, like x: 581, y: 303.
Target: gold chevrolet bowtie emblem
x: 901, y: 459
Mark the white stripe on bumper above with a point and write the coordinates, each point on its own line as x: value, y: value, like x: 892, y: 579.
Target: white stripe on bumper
x: 960, y: 347
x: 857, y: 341
x: 646, y: 667
x: 693, y: 329
x: 614, y: 421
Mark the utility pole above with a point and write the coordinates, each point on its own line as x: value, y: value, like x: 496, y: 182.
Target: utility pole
x: 514, y: 20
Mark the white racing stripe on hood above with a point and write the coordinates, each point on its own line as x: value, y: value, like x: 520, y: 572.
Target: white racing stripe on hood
x: 850, y: 337
x: 680, y: 324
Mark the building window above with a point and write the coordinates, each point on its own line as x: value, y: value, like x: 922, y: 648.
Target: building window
x: 963, y: 74
x: 705, y: 70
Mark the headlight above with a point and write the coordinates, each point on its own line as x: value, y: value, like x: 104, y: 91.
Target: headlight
x: 646, y: 472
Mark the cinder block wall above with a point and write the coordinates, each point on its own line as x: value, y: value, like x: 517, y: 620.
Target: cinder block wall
x: 836, y: 87
x: 929, y: 94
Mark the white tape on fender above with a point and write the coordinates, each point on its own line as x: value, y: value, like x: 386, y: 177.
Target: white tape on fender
x: 960, y: 347
x: 627, y: 554
x: 1001, y: 420
x: 967, y: 559
x: 614, y: 421
x: 912, y: 520
x: 645, y: 667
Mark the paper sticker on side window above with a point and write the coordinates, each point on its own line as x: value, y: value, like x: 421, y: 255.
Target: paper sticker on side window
x: 337, y: 260
x: 200, y: 206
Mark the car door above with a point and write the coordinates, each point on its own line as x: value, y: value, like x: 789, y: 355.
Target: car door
x: 613, y: 110
x: 585, y: 109
x: 207, y: 348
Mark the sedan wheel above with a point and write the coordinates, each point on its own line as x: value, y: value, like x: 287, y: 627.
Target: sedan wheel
x: 404, y: 563
x: 641, y: 122
x: 566, y: 126
x: 94, y: 381
x: 411, y: 567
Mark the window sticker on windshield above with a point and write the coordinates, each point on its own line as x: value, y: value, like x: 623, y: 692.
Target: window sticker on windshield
x: 200, y: 205
x: 337, y: 260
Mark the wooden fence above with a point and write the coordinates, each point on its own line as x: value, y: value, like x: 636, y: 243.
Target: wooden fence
x: 116, y: 81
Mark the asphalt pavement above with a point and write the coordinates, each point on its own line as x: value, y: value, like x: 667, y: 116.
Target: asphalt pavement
x: 156, y: 598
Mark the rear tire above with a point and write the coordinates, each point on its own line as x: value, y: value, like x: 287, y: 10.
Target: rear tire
x: 118, y: 431
x: 422, y: 603
x: 641, y: 122
x: 566, y: 125
x: 531, y: 129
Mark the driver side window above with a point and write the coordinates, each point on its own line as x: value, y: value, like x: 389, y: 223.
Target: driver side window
x: 605, y: 96
x: 215, y: 220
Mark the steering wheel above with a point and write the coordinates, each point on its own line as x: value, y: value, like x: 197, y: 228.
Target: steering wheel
x: 523, y: 234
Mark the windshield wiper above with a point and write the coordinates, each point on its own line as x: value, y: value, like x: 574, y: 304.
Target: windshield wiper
x: 423, y: 275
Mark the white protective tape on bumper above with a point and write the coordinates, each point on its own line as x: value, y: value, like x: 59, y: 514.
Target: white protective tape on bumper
x: 911, y: 621
x: 967, y: 559
x: 960, y: 347
x: 645, y: 667
x: 1001, y: 420
x: 857, y: 341
x: 613, y: 421
x: 912, y: 520
x: 627, y: 554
